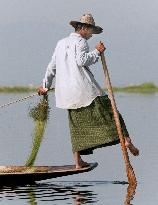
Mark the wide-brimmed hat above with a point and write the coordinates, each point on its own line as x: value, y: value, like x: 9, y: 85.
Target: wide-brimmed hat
x: 87, y: 19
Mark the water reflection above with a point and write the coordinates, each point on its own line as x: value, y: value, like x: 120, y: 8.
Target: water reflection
x: 75, y: 193
x: 32, y: 196
x: 131, y: 190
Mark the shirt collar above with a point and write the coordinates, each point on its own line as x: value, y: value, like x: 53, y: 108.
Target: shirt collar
x: 75, y: 34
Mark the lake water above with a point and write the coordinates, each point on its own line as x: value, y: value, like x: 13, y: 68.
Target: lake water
x: 106, y: 184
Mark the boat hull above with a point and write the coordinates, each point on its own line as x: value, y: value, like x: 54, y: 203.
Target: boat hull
x: 29, y: 175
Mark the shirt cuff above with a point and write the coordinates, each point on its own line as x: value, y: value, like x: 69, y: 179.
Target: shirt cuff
x: 45, y: 86
x: 97, y: 52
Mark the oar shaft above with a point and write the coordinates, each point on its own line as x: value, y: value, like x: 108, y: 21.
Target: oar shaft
x: 129, y: 169
x: 113, y: 103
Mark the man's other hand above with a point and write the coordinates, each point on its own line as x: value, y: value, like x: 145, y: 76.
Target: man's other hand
x: 42, y: 91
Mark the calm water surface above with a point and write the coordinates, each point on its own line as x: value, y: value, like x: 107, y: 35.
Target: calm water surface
x: 104, y: 185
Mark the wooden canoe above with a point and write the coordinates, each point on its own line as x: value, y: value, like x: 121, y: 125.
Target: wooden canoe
x: 28, y: 175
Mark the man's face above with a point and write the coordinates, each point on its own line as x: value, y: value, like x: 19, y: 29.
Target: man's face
x: 87, y: 33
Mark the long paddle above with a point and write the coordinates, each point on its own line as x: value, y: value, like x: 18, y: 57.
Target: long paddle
x: 129, y: 170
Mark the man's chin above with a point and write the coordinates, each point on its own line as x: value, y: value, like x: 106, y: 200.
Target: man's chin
x: 88, y: 38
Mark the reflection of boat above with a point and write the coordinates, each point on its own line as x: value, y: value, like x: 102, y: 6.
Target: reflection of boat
x: 26, y: 175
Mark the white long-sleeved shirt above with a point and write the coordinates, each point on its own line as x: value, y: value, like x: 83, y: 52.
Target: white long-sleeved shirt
x: 75, y: 85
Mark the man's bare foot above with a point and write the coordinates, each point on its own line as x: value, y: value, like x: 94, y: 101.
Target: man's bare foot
x: 131, y: 147
x: 82, y: 164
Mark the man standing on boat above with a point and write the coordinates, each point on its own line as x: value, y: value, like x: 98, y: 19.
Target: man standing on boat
x: 90, y: 113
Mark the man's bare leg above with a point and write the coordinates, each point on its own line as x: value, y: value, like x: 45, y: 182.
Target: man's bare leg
x: 131, y: 147
x: 78, y: 161
x: 128, y: 143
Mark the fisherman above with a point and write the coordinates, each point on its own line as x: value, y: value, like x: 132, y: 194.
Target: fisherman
x: 90, y: 113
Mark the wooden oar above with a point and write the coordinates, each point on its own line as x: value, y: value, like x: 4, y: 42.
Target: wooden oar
x: 129, y: 170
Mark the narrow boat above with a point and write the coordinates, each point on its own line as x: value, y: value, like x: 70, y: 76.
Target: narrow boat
x: 27, y: 175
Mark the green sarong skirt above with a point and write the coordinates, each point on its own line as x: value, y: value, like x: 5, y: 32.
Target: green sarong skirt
x: 93, y: 126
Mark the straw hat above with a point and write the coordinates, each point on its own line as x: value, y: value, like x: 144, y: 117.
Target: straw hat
x: 87, y: 19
